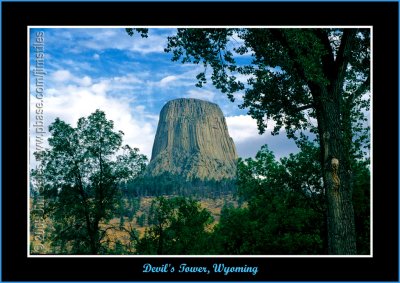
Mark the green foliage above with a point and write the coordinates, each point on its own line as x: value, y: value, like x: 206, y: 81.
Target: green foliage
x: 294, y: 77
x: 284, y: 212
x: 233, y: 234
x: 361, y: 200
x: 80, y: 181
x: 285, y: 207
x: 172, y: 184
x: 208, y: 47
x: 286, y: 67
x: 178, y: 226
x: 142, y: 31
x: 141, y: 220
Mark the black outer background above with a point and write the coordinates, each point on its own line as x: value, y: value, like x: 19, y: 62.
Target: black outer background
x: 17, y: 16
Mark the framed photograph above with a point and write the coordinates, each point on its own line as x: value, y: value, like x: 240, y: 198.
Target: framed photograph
x: 216, y: 142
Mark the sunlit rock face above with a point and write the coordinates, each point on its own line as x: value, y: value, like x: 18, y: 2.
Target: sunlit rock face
x: 192, y: 141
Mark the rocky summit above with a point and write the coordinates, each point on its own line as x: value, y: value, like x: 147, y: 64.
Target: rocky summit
x: 192, y: 141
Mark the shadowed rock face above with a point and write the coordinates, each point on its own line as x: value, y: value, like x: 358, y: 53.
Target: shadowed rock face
x: 192, y: 140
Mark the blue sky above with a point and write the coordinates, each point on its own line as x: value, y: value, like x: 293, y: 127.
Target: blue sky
x: 130, y: 78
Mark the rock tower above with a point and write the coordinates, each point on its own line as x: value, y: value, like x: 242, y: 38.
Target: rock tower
x: 192, y: 141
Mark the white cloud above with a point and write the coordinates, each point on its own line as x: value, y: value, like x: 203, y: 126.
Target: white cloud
x: 74, y: 40
x: 187, y: 78
x: 101, y: 39
x: 75, y: 65
x: 69, y: 98
x: 154, y: 43
x: 140, y: 108
x: 61, y: 75
x: 244, y: 132
x: 85, y: 81
x: 241, y: 128
x: 100, y: 88
x: 167, y: 80
x: 81, y: 103
x: 201, y: 94
x: 128, y: 79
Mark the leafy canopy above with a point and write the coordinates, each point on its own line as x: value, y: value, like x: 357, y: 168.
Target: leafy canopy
x: 281, y: 68
x: 177, y: 226
x: 79, y: 179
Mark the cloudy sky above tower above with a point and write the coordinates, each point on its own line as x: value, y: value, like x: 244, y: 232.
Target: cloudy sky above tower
x: 130, y: 79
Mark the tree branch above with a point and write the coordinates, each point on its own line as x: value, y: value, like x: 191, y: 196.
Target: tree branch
x: 343, y: 55
x: 305, y: 107
x: 328, y: 60
x: 279, y: 36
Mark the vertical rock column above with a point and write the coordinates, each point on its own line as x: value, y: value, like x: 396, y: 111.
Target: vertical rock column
x: 192, y: 140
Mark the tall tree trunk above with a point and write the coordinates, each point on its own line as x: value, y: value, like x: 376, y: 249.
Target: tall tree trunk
x: 335, y: 152
x: 337, y: 177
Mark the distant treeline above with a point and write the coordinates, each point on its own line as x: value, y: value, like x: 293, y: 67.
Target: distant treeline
x: 170, y: 184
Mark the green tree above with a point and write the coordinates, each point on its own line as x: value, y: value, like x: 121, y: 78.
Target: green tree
x: 141, y: 220
x: 361, y: 200
x: 178, y: 226
x: 294, y: 75
x: 80, y: 180
x: 233, y: 235
x: 285, y: 208
x: 284, y: 213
